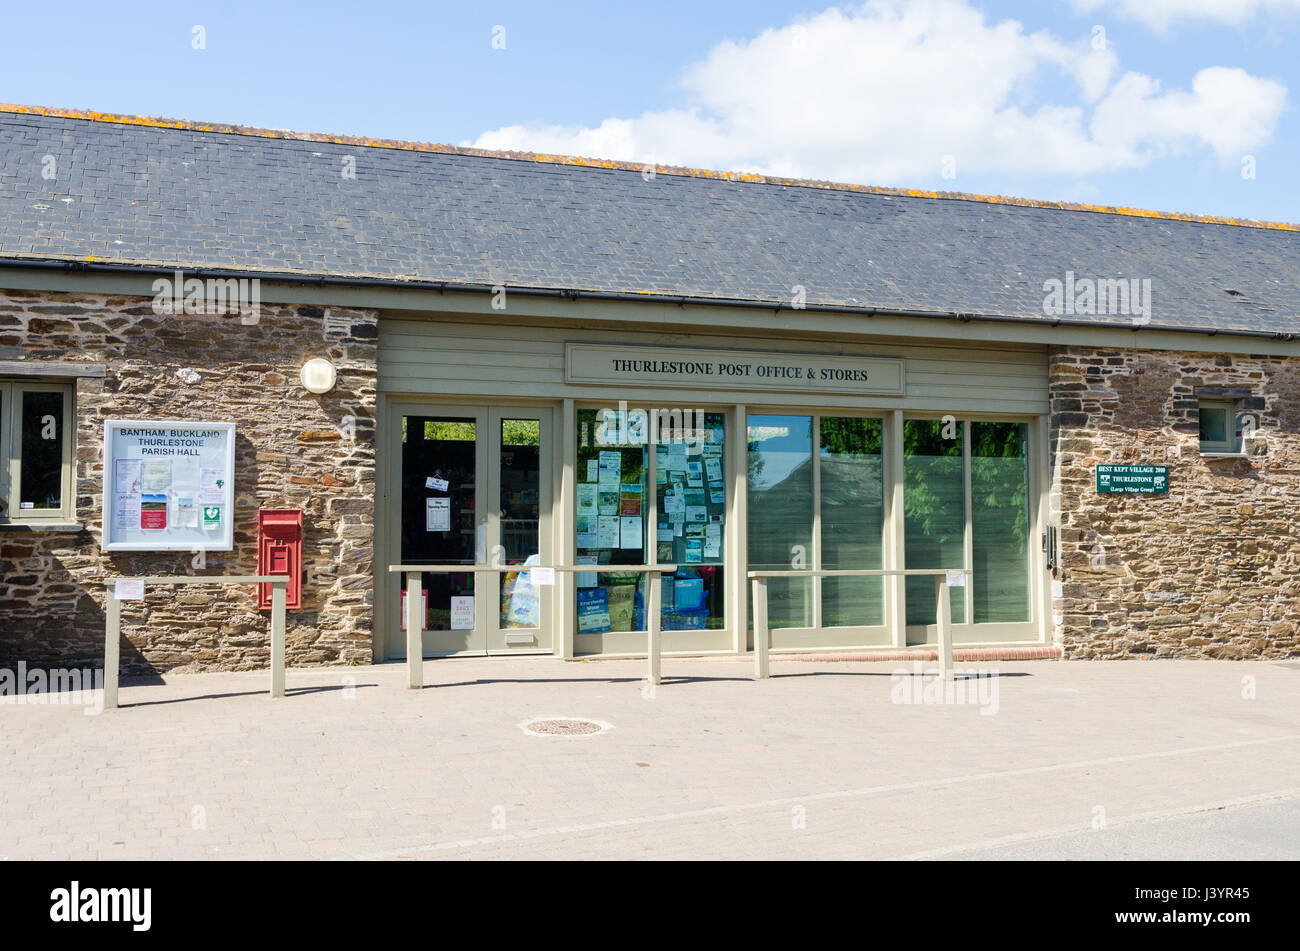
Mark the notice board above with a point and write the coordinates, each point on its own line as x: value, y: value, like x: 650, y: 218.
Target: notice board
x: 168, y: 486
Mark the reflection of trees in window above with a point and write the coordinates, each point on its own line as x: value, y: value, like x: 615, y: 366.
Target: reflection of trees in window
x: 923, y: 499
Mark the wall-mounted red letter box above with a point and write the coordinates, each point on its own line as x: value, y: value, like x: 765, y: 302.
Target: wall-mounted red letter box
x: 279, y: 552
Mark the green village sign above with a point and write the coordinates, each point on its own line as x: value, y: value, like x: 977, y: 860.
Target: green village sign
x: 1132, y: 480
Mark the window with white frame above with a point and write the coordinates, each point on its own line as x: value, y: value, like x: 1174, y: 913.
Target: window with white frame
x: 35, y: 451
x: 1218, y: 426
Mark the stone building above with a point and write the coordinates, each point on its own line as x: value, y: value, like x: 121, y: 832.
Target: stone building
x: 448, y: 357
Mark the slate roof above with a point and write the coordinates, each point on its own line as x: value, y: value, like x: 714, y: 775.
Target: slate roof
x: 154, y: 193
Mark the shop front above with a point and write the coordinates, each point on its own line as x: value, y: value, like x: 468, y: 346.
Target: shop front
x: 669, y: 449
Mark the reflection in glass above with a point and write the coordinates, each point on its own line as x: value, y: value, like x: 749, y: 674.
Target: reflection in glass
x: 780, y: 512
x: 999, y: 470
x: 934, y: 506
x: 40, y: 472
x: 853, y: 516
x: 438, y: 483
x: 520, y: 520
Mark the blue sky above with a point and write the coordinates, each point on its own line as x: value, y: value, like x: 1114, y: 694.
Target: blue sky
x: 1148, y: 103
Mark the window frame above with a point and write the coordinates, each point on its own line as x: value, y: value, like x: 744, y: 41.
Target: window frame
x: 12, y: 392
x: 1230, y: 446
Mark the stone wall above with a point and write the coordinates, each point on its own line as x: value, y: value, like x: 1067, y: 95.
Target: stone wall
x: 293, y: 450
x: 1212, y: 569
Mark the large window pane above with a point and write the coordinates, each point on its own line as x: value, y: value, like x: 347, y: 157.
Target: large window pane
x: 780, y: 519
x: 853, y: 513
x: 520, y: 521
x: 999, y: 472
x: 934, y: 505
x: 612, y: 505
x: 40, y: 472
x: 690, y: 479
x: 438, y: 524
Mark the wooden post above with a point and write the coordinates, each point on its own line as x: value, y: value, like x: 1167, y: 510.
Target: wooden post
x: 414, y: 630
x: 943, y: 617
x: 652, y: 625
x: 761, y: 671
x: 279, y: 595
x: 112, y: 645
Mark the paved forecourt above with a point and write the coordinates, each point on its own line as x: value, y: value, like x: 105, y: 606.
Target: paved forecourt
x: 825, y: 760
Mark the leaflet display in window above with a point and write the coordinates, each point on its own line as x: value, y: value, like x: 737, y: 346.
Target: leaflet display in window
x: 168, y: 486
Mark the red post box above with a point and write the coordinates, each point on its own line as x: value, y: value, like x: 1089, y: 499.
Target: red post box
x: 279, y: 552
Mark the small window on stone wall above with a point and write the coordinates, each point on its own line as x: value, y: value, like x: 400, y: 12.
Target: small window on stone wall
x: 1219, y: 433
x: 35, y: 451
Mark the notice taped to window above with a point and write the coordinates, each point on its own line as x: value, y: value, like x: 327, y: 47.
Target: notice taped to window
x: 168, y: 486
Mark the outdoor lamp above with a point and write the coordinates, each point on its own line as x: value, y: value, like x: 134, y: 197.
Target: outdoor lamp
x: 318, y: 375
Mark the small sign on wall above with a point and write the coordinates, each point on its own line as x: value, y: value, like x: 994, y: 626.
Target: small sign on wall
x: 1132, y: 480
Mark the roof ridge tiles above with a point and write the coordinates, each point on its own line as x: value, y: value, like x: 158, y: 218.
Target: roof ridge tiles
x: 681, y: 171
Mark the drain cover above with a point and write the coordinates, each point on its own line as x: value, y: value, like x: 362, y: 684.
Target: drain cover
x: 564, y: 726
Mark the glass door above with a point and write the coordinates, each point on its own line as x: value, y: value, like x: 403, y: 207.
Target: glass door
x: 442, y: 503
x: 519, y: 529
x: 473, y: 486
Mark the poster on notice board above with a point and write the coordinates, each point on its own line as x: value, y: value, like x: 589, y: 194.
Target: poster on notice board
x: 168, y: 486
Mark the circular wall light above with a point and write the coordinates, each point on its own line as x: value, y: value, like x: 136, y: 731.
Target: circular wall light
x: 318, y: 375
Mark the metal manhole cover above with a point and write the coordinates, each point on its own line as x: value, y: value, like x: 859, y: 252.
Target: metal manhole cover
x: 564, y: 726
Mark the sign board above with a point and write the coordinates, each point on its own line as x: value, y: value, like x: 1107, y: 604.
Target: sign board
x: 168, y: 486
x: 1132, y: 480
x: 731, y: 369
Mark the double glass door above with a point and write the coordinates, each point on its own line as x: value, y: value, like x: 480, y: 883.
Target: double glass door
x: 474, y: 487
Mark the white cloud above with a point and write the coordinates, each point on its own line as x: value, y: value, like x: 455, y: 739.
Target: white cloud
x: 1159, y: 14
x: 882, y: 93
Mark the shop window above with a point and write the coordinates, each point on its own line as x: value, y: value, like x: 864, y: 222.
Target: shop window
x: 1218, y: 426
x: 934, y: 520
x: 35, y: 451
x: 852, y: 503
x: 817, y: 500
x: 781, y: 514
x: 612, y: 505
x: 999, y: 474
x: 691, y: 501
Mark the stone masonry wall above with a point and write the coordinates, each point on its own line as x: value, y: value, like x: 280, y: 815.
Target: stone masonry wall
x: 1213, y: 568
x: 293, y: 450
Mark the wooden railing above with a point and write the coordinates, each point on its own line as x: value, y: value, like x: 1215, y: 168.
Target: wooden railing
x: 113, y: 624
x: 943, y: 610
x: 415, y: 620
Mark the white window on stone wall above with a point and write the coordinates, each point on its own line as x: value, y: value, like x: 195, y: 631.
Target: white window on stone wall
x: 1219, y: 432
x: 36, y: 452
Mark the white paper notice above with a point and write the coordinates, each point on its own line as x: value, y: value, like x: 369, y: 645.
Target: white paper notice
x: 593, y: 470
x: 157, y: 476
x: 212, y: 485
x: 129, y: 590
x: 437, y: 515
x: 587, y: 500
x: 187, y: 513
x: 126, y: 512
x: 629, y: 531
x: 462, y: 613
x: 956, y: 579
x: 126, y: 477
x: 541, y: 575
x: 585, y: 579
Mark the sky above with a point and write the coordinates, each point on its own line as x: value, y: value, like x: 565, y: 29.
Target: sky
x: 1174, y: 105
